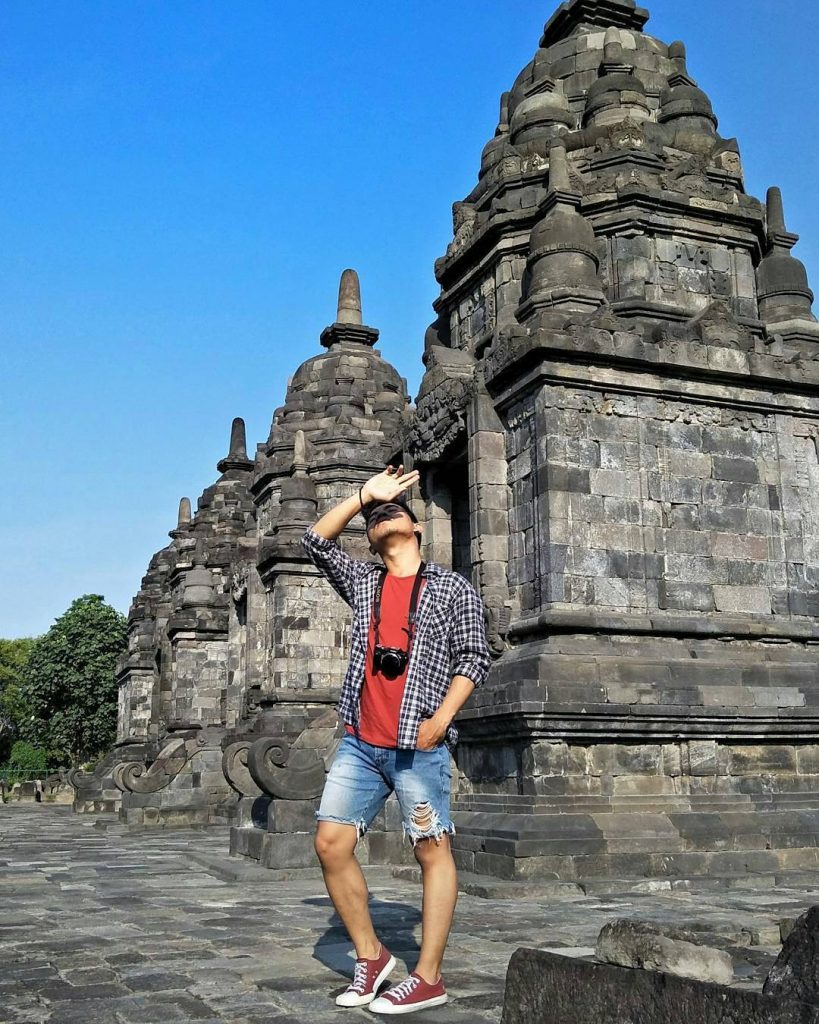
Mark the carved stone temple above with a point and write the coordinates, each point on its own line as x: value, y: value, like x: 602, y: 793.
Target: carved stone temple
x: 618, y: 439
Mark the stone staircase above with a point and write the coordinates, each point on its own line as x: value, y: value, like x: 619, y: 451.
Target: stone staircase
x: 578, y: 838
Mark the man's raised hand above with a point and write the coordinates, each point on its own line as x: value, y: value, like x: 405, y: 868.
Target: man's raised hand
x: 389, y: 484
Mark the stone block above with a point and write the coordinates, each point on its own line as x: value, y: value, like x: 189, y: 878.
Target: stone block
x: 762, y: 759
x: 288, y: 850
x: 743, y: 470
x: 292, y: 816
x: 546, y: 758
x: 548, y: 988
x: 756, y: 600
x: 685, y: 596
x: 654, y: 947
x: 617, y: 759
x: 614, y: 482
x: 795, y: 974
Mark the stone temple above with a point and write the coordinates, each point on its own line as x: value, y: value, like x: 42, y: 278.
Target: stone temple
x: 618, y: 438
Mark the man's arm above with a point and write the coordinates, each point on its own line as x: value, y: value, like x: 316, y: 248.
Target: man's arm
x: 432, y: 730
x: 470, y: 665
x: 319, y: 541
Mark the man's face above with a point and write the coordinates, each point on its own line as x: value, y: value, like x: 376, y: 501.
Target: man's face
x: 389, y: 519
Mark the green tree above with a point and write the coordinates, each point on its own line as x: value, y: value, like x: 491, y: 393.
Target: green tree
x: 70, y: 691
x: 14, y: 655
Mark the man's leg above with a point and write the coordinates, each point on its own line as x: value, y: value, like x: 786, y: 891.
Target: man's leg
x: 346, y: 885
x: 440, y: 894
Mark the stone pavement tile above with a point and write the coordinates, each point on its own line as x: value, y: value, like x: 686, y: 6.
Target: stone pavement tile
x: 123, y: 928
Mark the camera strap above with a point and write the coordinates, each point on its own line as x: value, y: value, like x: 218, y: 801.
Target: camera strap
x: 413, y: 605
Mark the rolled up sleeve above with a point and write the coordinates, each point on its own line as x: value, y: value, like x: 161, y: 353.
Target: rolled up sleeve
x: 469, y: 651
x: 340, y: 570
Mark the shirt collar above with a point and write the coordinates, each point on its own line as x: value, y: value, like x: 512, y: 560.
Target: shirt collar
x: 430, y: 569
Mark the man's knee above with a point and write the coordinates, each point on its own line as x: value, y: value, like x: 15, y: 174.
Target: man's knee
x: 334, y: 843
x: 431, y: 850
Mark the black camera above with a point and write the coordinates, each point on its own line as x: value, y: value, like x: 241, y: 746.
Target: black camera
x: 389, y: 661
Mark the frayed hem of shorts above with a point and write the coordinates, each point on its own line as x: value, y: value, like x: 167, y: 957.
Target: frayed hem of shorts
x: 415, y: 835
x: 359, y: 826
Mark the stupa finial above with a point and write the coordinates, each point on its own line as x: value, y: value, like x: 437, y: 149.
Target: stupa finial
x: 236, y: 458
x: 349, y: 325
x: 776, y: 211
x: 349, y: 299
x: 238, y: 440
x: 184, y: 516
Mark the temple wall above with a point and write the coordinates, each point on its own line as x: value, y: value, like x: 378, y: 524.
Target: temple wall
x: 135, y: 705
x: 640, y: 503
x: 676, y: 270
x: 200, y: 679
x: 310, y: 634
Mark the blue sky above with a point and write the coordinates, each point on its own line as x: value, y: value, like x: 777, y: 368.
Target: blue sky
x: 181, y: 185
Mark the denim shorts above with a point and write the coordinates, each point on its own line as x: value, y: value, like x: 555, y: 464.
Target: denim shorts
x: 362, y: 776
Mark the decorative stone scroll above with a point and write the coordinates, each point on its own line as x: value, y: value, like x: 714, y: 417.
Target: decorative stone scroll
x: 136, y: 777
x: 234, y: 765
x: 297, y: 771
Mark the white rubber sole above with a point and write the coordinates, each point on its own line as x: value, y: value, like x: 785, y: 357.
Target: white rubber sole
x: 385, y: 1006
x: 347, y: 999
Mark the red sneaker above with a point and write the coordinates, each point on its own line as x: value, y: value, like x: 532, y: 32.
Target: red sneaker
x: 367, y: 976
x: 412, y: 994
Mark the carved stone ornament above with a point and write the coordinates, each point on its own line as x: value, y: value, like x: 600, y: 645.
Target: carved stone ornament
x: 440, y: 415
x: 234, y: 765
x: 626, y: 134
x: 238, y: 582
x: 136, y: 777
x: 297, y: 771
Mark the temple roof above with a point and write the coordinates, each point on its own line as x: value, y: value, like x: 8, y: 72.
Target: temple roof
x: 576, y: 14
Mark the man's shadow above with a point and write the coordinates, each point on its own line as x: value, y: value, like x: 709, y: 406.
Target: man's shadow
x: 394, y: 924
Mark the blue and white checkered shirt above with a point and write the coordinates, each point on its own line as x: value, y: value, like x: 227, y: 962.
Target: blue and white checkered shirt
x: 450, y: 636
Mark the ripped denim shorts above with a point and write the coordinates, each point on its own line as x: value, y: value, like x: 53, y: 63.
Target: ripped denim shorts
x: 362, y: 776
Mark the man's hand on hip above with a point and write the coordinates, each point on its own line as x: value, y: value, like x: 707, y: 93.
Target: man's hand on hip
x: 431, y: 732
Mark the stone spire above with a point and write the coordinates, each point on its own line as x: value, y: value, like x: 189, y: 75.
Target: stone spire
x: 183, y: 519
x: 577, y: 14
x: 782, y: 283
x: 618, y: 93
x: 349, y: 326
x: 682, y: 102
x: 562, y: 261
x: 349, y: 299
x: 236, y: 459
x: 298, y: 501
x: 184, y: 513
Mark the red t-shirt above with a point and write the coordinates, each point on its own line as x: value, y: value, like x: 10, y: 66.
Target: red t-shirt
x: 381, y: 697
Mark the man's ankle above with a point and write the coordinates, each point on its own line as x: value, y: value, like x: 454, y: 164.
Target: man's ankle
x: 368, y: 950
x: 430, y: 977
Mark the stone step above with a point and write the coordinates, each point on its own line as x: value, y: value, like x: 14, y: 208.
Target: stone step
x: 674, y: 866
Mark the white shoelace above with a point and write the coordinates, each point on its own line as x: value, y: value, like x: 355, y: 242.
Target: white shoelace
x: 405, y: 987
x: 359, y: 976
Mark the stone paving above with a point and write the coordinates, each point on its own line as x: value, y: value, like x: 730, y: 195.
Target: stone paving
x: 100, y: 925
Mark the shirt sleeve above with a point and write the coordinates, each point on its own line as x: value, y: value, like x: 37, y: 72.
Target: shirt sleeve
x: 336, y: 565
x: 469, y: 651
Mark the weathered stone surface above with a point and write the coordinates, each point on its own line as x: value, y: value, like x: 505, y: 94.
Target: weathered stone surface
x: 631, y: 943
x: 795, y: 975
x: 553, y: 989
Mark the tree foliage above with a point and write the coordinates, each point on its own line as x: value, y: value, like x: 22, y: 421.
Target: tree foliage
x: 70, y: 691
x: 14, y: 656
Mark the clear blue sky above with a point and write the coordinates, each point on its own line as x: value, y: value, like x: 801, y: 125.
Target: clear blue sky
x: 181, y: 185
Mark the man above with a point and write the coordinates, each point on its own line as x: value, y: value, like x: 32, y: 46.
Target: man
x: 418, y: 649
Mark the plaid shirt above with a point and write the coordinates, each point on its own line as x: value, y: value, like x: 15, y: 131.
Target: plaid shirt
x: 450, y: 636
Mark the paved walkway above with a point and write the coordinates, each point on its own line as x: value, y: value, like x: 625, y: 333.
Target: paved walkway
x: 99, y: 925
